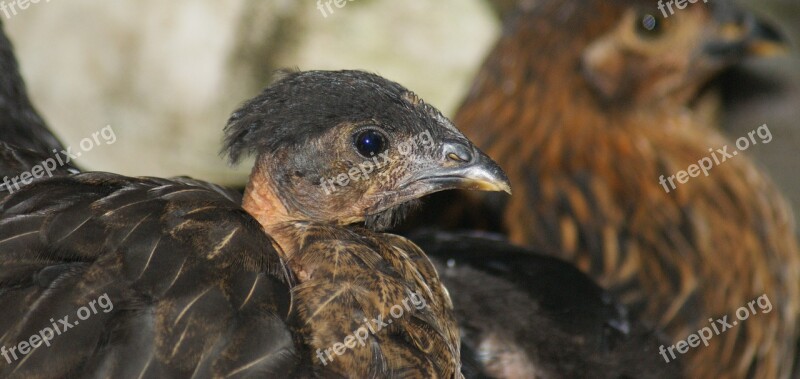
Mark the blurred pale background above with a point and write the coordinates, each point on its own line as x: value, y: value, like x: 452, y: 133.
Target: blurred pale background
x: 166, y: 75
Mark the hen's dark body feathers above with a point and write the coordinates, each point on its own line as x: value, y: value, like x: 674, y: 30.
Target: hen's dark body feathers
x: 523, y: 314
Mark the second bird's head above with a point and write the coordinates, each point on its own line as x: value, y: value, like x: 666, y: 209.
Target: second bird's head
x: 655, y: 51
x: 350, y: 146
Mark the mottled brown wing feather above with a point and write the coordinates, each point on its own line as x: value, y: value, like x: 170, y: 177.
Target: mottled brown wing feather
x: 195, y: 286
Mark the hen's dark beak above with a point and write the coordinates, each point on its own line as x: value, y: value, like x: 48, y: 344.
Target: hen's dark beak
x: 763, y: 40
x: 744, y: 35
x: 460, y: 165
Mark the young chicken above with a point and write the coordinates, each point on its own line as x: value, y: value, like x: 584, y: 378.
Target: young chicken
x: 103, y: 275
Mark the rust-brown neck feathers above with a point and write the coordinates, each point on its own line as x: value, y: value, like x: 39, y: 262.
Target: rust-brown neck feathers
x: 586, y: 187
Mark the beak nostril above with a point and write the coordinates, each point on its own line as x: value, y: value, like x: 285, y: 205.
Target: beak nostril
x: 457, y: 152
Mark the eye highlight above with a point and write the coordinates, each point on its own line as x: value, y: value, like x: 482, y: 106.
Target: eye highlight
x: 370, y: 142
x: 648, y: 26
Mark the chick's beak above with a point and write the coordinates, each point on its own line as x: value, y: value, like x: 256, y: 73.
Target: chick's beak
x: 457, y: 165
x: 462, y: 166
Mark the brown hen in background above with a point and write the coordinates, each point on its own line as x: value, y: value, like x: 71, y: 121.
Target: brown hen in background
x: 586, y: 104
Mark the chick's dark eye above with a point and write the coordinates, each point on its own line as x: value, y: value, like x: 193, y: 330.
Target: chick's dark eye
x: 370, y: 142
x: 648, y: 26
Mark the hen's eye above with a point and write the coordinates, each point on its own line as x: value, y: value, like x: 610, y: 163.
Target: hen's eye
x: 648, y: 26
x: 370, y: 142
